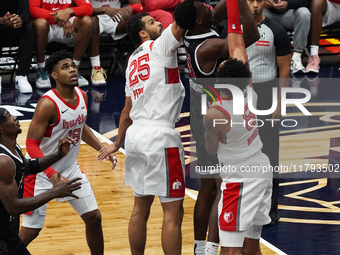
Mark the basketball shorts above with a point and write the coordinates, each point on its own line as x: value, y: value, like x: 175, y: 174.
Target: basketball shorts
x: 82, y: 205
x: 243, y: 206
x: 332, y: 14
x: 109, y: 26
x: 154, y: 163
x: 56, y: 34
x: 40, y: 183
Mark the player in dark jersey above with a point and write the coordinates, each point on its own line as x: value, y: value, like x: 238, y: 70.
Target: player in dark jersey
x: 14, y: 167
x: 204, y: 52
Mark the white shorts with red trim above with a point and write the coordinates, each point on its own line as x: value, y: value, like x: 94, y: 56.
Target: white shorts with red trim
x: 244, y: 201
x: 154, y: 163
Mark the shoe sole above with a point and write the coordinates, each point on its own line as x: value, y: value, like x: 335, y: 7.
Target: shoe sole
x: 312, y: 71
x: 298, y: 71
x: 98, y: 84
x: 42, y: 86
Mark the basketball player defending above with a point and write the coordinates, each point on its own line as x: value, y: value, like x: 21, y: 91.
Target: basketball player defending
x: 154, y: 162
x: 245, y: 200
x: 62, y: 111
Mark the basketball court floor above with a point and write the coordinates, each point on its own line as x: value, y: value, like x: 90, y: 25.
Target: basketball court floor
x: 308, y: 203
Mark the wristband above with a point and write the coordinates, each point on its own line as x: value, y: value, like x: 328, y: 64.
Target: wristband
x: 34, y: 166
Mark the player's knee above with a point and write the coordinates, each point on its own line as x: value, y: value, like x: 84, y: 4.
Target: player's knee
x: 86, y: 22
x: 27, y: 235
x: 92, y: 219
x: 41, y: 25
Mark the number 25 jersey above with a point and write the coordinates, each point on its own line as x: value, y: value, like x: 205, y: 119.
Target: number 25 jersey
x: 152, y: 80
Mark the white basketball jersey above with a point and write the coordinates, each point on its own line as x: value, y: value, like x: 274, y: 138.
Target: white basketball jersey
x: 70, y: 122
x: 106, y: 3
x: 242, y: 141
x: 152, y: 80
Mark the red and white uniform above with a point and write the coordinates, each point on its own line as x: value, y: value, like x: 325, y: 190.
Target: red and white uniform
x: 44, y: 8
x: 70, y: 122
x: 245, y: 199
x: 154, y: 152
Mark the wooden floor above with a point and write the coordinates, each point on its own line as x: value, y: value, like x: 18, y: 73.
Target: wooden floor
x: 64, y: 231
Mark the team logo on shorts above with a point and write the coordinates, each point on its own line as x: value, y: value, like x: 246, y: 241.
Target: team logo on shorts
x: 228, y: 217
x: 177, y: 185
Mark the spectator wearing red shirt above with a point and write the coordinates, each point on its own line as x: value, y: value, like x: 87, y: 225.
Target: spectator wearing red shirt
x: 64, y: 22
x: 161, y: 10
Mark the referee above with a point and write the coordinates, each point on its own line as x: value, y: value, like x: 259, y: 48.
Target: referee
x: 272, y: 50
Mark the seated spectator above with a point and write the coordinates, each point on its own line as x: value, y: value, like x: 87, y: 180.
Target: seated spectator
x: 113, y: 18
x: 16, y: 31
x: 292, y: 15
x: 162, y: 11
x: 324, y: 13
x: 64, y: 22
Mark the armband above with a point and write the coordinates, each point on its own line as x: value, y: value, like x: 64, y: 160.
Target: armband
x: 136, y: 8
x: 34, y: 166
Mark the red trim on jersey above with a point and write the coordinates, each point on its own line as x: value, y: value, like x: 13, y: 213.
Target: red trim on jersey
x: 229, y: 216
x: 83, y: 93
x: 222, y: 110
x: 175, y: 173
x: 173, y: 75
x: 29, y: 188
x: 151, y: 45
x: 250, y: 85
x: 49, y: 128
x: 67, y: 104
x: 33, y: 149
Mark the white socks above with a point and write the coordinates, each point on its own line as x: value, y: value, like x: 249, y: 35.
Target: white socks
x: 211, y: 248
x: 314, y: 50
x: 95, y: 61
x: 199, y: 247
x: 205, y: 248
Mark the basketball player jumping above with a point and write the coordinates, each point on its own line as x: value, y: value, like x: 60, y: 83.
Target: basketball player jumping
x: 154, y: 162
x: 245, y: 199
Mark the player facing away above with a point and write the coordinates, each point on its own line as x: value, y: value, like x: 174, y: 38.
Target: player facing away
x: 205, y: 51
x: 14, y: 167
x: 154, y: 164
x: 245, y: 199
x: 62, y: 111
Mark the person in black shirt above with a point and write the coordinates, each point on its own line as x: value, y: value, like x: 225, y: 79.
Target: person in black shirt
x: 13, y: 167
x: 16, y: 31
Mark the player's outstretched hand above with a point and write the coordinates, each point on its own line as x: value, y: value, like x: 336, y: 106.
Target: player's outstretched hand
x: 107, y: 153
x: 64, y: 189
x: 64, y: 145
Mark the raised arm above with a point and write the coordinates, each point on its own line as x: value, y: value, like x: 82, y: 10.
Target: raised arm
x: 177, y: 31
